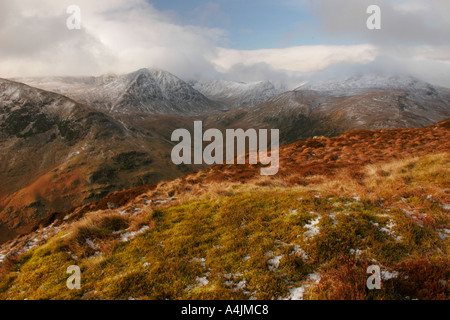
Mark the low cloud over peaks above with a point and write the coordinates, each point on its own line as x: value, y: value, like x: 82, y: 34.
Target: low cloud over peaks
x: 121, y: 36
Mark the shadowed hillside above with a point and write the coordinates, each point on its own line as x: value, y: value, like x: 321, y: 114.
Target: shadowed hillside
x: 56, y: 154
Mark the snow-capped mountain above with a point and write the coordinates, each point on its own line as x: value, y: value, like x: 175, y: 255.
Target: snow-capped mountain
x: 334, y: 106
x: 149, y: 91
x: 359, y: 83
x: 235, y: 95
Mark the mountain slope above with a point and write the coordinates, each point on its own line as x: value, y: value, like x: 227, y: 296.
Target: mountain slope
x: 56, y: 153
x: 206, y: 236
x: 331, y: 108
x: 234, y: 95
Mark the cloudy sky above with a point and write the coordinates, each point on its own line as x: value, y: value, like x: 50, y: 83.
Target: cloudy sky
x: 251, y: 40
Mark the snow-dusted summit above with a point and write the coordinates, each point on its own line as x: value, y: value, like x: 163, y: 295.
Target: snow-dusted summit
x: 150, y: 91
x: 235, y: 95
x: 335, y: 106
x: 356, y: 84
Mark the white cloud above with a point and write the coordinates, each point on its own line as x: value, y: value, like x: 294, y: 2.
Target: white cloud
x: 435, y: 72
x: 302, y: 59
x: 119, y: 36
x: 125, y: 35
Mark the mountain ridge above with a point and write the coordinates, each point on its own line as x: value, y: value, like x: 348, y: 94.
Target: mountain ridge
x: 368, y: 81
x: 150, y: 91
x: 305, y: 112
x: 236, y: 94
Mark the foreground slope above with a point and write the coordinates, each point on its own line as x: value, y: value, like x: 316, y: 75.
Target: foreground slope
x: 306, y: 233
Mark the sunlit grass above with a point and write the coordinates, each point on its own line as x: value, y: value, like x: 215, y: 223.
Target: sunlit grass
x: 257, y: 240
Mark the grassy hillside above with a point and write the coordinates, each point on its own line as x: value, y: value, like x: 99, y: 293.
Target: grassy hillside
x: 269, y: 238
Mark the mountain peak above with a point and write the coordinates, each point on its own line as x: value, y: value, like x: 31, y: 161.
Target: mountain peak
x: 147, y: 90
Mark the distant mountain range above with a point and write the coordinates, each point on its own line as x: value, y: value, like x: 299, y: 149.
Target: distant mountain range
x: 330, y: 108
x: 156, y: 91
x: 149, y: 91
